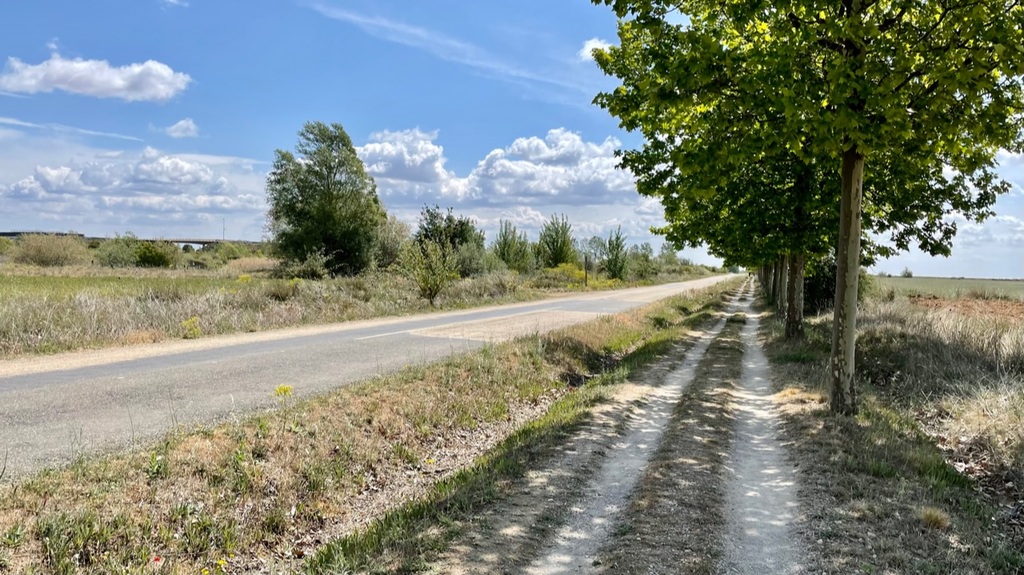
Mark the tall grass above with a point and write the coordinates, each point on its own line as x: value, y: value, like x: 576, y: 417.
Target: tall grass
x: 46, y: 314
x: 962, y: 375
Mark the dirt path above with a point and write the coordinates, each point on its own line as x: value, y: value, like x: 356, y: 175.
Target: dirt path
x: 664, y: 479
x: 575, y: 546
x: 761, y: 493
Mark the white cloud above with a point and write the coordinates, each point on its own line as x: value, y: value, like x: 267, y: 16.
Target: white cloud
x: 525, y: 182
x: 442, y: 46
x: 586, y: 53
x: 148, y: 81
x: 147, y: 191
x: 65, y: 129
x: 186, y: 128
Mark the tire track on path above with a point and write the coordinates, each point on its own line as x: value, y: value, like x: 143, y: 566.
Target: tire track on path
x: 575, y: 546
x: 761, y: 507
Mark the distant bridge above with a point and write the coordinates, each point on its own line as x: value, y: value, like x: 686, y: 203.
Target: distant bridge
x: 195, y: 241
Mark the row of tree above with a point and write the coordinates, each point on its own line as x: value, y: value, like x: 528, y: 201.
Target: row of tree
x: 326, y: 218
x: 761, y: 119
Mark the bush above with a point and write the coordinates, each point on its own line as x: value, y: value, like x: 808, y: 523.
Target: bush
x: 156, y: 255
x: 118, y: 252
x: 312, y: 267
x: 6, y: 244
x: 906, y: 273
x: 556, y: 245
x: 820, y: 286
x: 431, y: 265
x: 390, y: 238
x: 641, y: 261
x: 50, y: 250
x: 512, y: 248
x: 565, y: 275
x: 615, y: 259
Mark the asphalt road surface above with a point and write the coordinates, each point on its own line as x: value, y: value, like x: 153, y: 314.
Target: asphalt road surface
x: 56, y: 408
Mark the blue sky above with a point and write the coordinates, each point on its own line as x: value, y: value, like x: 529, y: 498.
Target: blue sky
x: 161, y: 117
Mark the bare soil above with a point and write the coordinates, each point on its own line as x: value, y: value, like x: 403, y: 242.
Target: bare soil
x: 1002, y: 308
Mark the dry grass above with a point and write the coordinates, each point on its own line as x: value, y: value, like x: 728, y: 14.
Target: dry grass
x: 50, y: 310
x: 880, y: 494
x: 48, y: 314
x: 963, y: 378
x: 279, y: 485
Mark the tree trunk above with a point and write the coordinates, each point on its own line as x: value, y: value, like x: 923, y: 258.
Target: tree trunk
x: 795, y: 303
x: 783, y: 286
x: 844, y: 327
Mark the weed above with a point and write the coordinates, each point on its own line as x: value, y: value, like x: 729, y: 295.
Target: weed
x: 14, y: 536
x: 934, y: 518
x: 190, y: 328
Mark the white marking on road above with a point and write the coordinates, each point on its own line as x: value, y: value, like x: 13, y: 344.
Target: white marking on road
x: 383, y: 335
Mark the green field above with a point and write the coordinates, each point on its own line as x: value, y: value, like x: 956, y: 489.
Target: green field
x: 954, y: 287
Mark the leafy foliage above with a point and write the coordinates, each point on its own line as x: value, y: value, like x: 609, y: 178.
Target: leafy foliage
x: 391, y: 237
x: 556, y: 245
x: 432, y: 265
x: 50, y: 250
x: 156, y: 254
x: 457, y: 235
x: 322, y: 200
x: 512, y: 247
x: 118, y: 252
x: 616, y: 261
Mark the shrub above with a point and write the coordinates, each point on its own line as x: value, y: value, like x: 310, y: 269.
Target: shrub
x: 6, y: 244
x: 906, y: 273
x: 118, y: 252
x: 431, y: 265
x: 556, y: 245
x: 470, y: 259
x: 615, y: 260
x: 390, y: 238
x: 641, y: 261
x: 512, y: 248
x: 565, y: 275
x: 50, y: 250
x: 156, y: 254
x: 820, y: 285
x: 312, y: 267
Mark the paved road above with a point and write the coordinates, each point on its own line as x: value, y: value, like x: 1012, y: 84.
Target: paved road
x: 55, y: 408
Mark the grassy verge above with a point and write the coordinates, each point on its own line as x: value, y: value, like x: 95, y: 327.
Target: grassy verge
x: 49, y: 310
x: 676, y: 515
x: 880, y: 493
x: 276, y: 487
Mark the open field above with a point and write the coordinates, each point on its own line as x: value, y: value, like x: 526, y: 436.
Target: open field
x: 263, y: 493
x: 953, y: 287
x: 49, y: 310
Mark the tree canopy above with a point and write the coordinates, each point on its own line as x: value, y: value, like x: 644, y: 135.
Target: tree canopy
x: 322, y: 201
x: 754, y: 114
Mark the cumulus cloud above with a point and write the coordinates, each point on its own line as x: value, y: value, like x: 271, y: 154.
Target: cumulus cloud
x: 186, y: 128
x: 586, y: 53
x: 148, y: 192
x: 525, y: 182
x: 148, y: 81
x: 561, y: 167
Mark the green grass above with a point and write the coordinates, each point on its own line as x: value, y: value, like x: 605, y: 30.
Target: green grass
x: 953, y: 287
